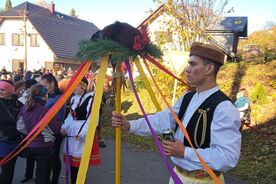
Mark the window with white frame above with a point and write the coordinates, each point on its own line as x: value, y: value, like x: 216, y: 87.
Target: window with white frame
x: 34, y: 40
x: 17, y: 39
x: 2, y: 39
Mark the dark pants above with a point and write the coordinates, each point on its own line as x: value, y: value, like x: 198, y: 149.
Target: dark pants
x: 99, y: 131
x: 57, y: 163
x: 74, y: 174
x: 7, y: 171
x: 30, y: 162
x: 45, y: 158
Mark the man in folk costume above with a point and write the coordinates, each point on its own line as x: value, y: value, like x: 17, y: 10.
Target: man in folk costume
x: 75, y: 128
x: 209, y: 116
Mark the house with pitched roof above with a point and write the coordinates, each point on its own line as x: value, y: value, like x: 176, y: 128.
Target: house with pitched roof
x: 228, y: 31
x: 32, y: 37
x: 225, y: 33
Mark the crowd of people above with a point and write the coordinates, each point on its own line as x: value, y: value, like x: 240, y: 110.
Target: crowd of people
x: 24, y: 100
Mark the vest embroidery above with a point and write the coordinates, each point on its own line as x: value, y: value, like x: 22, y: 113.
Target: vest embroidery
x: 203, y: 114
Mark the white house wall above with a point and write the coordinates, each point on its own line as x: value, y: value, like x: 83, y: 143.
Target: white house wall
x: 36, y: 56
x: 157, y: 25
x: 173, y: 56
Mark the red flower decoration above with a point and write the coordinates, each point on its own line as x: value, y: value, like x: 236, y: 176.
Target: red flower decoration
x: 199, y: 174
x: 138, y: 43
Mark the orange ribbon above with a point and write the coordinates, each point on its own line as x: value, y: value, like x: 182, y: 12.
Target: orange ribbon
x: 50, y: 114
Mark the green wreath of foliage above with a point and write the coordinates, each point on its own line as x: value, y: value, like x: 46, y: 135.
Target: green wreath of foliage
x: 95, y: 50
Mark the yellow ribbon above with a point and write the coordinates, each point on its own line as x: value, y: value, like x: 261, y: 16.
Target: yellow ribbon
x: 118, y: 81
x: 93, y: 121
x: 147, y: 85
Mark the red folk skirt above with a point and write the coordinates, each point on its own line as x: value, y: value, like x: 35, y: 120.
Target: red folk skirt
x: 95, y: 157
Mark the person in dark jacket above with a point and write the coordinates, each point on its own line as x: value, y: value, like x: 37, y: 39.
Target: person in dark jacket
x: 42, y: 148
x: 49, y: 81
x: 30, y: 162
x: 9, y: 136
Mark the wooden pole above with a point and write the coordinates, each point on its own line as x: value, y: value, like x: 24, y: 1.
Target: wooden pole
x: 118, y: 78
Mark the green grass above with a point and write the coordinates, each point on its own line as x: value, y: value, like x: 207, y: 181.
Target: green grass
x: 258, y: 156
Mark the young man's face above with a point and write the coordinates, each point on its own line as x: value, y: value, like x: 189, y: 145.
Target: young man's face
x: 195, y: 71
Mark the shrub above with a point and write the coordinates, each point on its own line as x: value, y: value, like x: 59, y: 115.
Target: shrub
x: 138, y: 83
x: 259, y: 94
x: 270, y: 56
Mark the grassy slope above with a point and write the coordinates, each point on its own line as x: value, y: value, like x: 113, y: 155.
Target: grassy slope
x: 258, y: 157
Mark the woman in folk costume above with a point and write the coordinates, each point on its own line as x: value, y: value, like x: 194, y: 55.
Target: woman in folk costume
x: 75, y: 128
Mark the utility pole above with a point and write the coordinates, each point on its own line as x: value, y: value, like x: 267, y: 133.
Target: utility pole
x: 25, y: 40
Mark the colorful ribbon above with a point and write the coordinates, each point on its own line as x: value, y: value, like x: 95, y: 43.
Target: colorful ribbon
x: 93, y: 121
x: 147, y: 84
x: 161, y: 150
x: 207, y: 168
x: 50, y: 114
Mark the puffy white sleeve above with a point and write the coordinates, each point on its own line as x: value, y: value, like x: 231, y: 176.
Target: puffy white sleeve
x: 160, y: 121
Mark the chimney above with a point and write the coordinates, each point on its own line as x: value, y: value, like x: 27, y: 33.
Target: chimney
x: 52, y: 8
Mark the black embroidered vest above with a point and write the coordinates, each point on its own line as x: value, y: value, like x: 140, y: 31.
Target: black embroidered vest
x: 81, y: 112
x: 199, y: 126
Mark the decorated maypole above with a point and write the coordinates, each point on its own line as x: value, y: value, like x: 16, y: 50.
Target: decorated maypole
x: 120, y: 42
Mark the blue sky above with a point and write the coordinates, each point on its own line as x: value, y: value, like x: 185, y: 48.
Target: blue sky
x: 104, y: 12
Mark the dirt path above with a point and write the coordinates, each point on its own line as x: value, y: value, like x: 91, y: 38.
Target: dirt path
x: 137, y: 167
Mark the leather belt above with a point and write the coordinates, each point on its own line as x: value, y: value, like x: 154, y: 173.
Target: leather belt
x: 196, y: 173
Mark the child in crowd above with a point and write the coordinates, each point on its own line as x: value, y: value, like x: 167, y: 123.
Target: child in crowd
x: 243, y: 104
